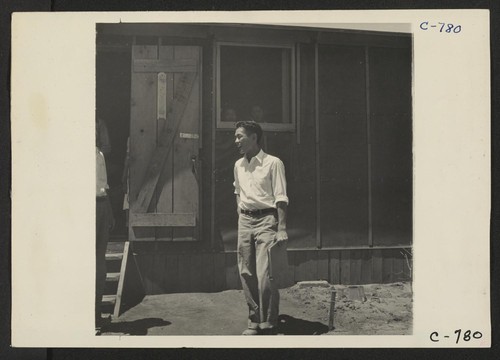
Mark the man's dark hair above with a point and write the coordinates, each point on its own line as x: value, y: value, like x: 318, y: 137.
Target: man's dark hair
x: 251, y: 127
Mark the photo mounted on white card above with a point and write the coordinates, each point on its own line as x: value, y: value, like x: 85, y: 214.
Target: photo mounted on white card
x: 257, y: 173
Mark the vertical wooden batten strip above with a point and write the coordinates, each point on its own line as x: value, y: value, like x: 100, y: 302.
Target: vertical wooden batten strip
x: 355, y: 277
x: 207, y: 272
x: 287, y: 278
x: 306, y: 265
x: 200, y: 100
x: 219, y: 281
x: 196, y: 272
x: 318, y: 170
x: 212, y: 150
x: 334, y: 265
x: 232, y: 274
x: 161, y: 101
x: 163, y: 195
x: 407, y: 264
x: 345, y: 267
x: 297, y: 94
x: 130, y: 232
x: 369, y: 145
x: 184, y: 271
x: 398, y: 266
x: 147, y: 267
x: 171, y: 274
x: 286, y: 69
x: 387, y: 266
x: 377, y: 266
x: 199, y: 160
x: 323, y: 265
x: 366, y: 266
x: 154, y: 273
x: 297, y: 268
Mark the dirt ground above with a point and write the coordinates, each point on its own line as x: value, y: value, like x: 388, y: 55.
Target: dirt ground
x: 304, y: 310
x: 385, y: 310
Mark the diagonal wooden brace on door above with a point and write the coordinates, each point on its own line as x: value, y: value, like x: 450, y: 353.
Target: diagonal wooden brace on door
x: 176, y: 111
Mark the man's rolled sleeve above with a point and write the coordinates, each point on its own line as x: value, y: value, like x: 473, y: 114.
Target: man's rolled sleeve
x: 279, y: 183
x: 236, y: 183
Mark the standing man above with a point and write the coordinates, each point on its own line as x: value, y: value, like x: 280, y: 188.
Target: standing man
x: 104, y: 223
x: 260, y: 188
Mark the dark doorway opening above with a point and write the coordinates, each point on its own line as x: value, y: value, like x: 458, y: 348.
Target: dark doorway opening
x: 113, y: 107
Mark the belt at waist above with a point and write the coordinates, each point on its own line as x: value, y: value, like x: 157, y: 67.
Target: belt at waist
x: 259, y: 212
x: 101, y: 198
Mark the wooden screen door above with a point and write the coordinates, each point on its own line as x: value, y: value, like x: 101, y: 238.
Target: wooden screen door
x: 164, y: 143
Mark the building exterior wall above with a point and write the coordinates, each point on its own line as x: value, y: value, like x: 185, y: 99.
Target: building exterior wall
x: 348, y: 161
x: 164, y: 272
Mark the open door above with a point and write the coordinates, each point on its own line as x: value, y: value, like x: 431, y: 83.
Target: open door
x: 164, y: 143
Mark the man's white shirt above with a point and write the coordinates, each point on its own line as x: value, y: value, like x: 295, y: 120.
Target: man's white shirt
x: 260, y: 183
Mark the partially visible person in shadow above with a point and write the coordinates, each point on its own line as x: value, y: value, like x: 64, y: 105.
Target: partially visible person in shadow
x: 288, y: 325
x: 256, y: 114
x: 102, y: 136
x: 125, y: 183
x: 104, y: 224
x: 136, y: 327
x: 229, y: 115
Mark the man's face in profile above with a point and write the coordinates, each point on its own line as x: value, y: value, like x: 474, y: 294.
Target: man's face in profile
x: 243, y: 141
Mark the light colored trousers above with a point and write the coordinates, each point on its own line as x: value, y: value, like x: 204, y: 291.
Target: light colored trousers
x: 255, y: 236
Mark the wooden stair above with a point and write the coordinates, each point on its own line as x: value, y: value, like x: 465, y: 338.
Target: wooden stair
x: 109, y: 300
x: 113, y: 276
x: 116, y: 263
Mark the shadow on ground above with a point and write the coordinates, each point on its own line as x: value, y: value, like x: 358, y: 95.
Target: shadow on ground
x: 288, y: 325
x: 136, y: 327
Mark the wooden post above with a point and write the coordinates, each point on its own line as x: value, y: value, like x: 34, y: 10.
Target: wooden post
x: 215, y: 103
x: 369, y: 145
x: 318, y: 169
x: 297, y: 94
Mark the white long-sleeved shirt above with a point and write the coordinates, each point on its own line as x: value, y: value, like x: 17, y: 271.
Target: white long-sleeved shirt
x: 260, y: 183
x: 101, y: 176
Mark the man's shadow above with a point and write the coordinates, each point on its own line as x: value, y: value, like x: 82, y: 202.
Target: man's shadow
x: 137, y: 327
x: 288, y: 325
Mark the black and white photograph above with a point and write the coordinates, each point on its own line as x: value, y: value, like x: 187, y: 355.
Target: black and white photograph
x: 223, y: 142
x: 260, y: 178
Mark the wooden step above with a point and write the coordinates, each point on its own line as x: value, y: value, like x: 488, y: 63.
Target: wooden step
x: 113, y: 276
x: 116, y: 251
x: 115, y: 247
x: 114, y: 256
x: 109, y: 299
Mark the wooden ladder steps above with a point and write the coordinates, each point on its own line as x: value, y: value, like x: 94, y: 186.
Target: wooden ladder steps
x: 109, y: 299
x: 116, y: 251
x: 114, y: 256
x: 113, y: 276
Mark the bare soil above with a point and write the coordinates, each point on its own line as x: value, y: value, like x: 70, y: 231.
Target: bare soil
x: 385, y: 309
